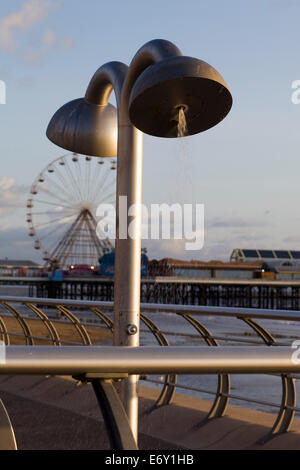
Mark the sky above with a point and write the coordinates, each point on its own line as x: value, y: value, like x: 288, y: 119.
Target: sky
x: 245, y: 170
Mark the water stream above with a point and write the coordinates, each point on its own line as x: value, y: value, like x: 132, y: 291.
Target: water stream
x: 182, y: 129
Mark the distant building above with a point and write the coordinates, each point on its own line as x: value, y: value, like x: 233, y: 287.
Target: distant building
x: 284, y: 263
x: 14, y: 268
x: 275, y: 256
x: 206, y: 270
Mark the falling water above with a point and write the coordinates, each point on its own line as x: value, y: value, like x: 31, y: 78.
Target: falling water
x: 182, y: 129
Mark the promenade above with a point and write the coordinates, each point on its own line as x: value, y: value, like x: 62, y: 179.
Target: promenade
x: 59, y: 413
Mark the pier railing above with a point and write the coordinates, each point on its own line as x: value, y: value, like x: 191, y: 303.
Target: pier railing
x: 261, y: 346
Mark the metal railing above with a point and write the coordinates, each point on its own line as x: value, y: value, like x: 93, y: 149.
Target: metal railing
x: 222, y: 360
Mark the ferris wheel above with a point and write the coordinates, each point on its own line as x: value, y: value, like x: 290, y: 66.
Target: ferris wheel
x: 62, y: 205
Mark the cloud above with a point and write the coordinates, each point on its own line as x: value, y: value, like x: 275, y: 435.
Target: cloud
x: 218, y: 243
x: 11, y: 196
x: 233, y: 222
x: 158, y: 249
x: 15, y: 244
x: 294, y: 239
x: 49, y: 42
x: 30, y: 14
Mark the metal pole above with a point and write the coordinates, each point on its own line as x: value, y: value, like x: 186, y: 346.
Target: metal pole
x: 114, y: 360
x: 128, y: 252
x: 128, y: 195
x: 128, y: 245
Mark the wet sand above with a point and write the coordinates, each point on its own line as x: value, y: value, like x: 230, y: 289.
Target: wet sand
x: 66, y: 330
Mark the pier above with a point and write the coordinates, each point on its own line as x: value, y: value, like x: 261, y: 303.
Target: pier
x: 250, y: 293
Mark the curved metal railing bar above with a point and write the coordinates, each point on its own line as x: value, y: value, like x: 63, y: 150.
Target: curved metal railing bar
x: 286, y: 411
x: 4, y: 332
x: 24, y: 325
x: 262, y: 332
x: 167, y: 393
x: 86, y: 340
x: 288, y: 398
x: 103, y: 317
x: 47, y: 322
x: 223, y: 388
